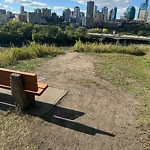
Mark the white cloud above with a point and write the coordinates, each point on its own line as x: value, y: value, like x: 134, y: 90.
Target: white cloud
x: 108, y: 3
x: 4, y: 6
x: 58, y: 8
x: 29, y: 3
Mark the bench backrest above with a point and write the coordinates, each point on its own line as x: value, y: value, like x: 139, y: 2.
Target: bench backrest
x: 29, y: 79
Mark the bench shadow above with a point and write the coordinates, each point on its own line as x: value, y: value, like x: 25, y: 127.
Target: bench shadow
x: 63, y: 117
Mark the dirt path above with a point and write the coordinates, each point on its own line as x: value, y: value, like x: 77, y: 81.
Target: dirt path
x: 94, y: 115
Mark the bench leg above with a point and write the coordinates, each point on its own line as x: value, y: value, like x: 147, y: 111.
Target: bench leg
x: 23, y: 100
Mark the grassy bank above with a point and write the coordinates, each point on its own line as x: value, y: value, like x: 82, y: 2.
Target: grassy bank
x: 137, y: 50
x: 14, y: 55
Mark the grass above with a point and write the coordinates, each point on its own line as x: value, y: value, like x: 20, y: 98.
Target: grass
x: 132, y: 74
x: 127, y: 67
x: 13, y: 56
x: 137, y: 50
x: 129, y: 72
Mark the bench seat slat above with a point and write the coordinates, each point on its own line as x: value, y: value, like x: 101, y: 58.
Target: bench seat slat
x: 26, y: 85
x: 41, y: 88
x: 27, y: 77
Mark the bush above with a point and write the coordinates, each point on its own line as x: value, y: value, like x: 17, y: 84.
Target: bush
x: 137, y: 50
x: 32, y: 51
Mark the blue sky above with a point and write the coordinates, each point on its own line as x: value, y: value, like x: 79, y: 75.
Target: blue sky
x: 59, y: 5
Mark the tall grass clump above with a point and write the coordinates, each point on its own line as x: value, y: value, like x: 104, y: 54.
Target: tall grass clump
x: 137, y: 50
x: 12, y: 56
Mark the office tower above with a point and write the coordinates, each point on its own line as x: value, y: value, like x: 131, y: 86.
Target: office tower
x: 82, y: 14
x: 148, y: 20
x: 46, y: 13
x: 66, y: 15
x: 3, y: 16
x: 114, y: 14
x: 2, y: 11
x: 142, y: 15
x: 33, y: 18
x: 105, y: 13
x: 76, y: 13
x: 130, y: 13
x: 90, y: 9
x: 22, y: 9
x: 109, y: 15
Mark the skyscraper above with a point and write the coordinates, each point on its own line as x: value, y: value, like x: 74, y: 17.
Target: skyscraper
x: 105, y: 13
x: 77, y: 13
x: 21, y: 9
x: 130, y: 13
x: 142, y: 15
x: 114, y: 13
x: 90, y: 9
x: 66, y: 15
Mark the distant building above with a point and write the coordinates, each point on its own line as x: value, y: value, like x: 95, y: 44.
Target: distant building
x: 148, y: 20
x: 88, y: 22
x: 9, y: 14
x: 54, y: 15
x: 38, y: 12
x: 21, y: 9
x: 82, y: 14
x: 21, y: 17
x: 130, y: 13
x: 77, y: 13
x: 105, y: 13
x: 90, y: 9
x: 2, y: 11
x: 3, y: 18
x: 66, y: 15
x: 46, y: 13
x: 114, y: 14
x: 142, y: 15
x: 33, y: 18
x: 98, y: 18
x: 109, y: 15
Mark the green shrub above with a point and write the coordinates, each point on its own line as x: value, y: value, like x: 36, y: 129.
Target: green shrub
x: 32, y: 51
x: 137, y: 50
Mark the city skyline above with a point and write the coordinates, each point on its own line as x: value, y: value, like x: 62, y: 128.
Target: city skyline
x: 58, y: 6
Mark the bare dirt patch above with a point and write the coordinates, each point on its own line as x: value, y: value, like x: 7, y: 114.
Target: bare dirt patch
x: 94, y: 115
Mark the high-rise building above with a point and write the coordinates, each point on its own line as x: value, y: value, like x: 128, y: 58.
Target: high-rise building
x: 33, y: 18
x: 90, y: 9
x: 66, y: 15
x: 21, y: 9
x: 130, y: 13
x: 148, y: 20
x: 114, y: 14
x: 3, y: 16
x: 109, y: 15
x: 142, y: 15
x: 98, y: 18
x: 46, y: 13
x: 76, y: 13
x: 105, y: 13
x: 2, y: 11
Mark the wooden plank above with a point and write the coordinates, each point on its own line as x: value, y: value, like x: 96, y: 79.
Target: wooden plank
x: 27, y: 77
x: 14, y: 71
x: 41, y: 89
x: 26, y: 85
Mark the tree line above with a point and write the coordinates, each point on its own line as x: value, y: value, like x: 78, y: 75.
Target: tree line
x: 14, y: 33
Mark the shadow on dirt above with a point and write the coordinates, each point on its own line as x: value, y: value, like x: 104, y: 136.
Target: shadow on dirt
x: 63, y: 117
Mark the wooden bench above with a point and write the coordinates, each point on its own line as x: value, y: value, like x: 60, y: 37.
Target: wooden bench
x: 23, y: 86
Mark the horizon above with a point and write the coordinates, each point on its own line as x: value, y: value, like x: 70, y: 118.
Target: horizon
x: 59, y: 5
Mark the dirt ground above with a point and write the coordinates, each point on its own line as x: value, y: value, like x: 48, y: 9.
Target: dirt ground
x: 93, y: 115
